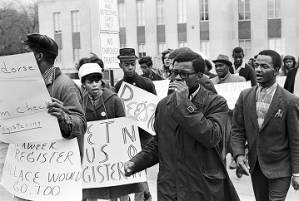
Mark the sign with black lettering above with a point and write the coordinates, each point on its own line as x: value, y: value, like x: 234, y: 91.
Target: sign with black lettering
x: 44, y: 171
x: 108, y: 144
x: 23, y: 102
x: 140, y: 105
x: 109, y: 49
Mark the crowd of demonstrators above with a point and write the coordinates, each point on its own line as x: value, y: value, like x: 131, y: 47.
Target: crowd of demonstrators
x: 146, y: 65
x: 267, y: 118
x: 193, y: 124
x: 66, y: 103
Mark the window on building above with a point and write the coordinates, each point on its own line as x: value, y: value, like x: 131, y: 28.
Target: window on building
x: 277, y: 44
x: 273, y: 9
x: 161, y: 48
x: 205, y: 47
x: 76, y: 43
x: 56, y: 22
x: 245, y: 44
x: 182, y: 44
x: 75, y: 21
x: 122, y: 14
x: 57, y: 33
x: 182, y: 11
x: 160, y: 12
x: 141, y: 50
x: 244, y: 10
x: 140, y: 12
x: 204, y: 10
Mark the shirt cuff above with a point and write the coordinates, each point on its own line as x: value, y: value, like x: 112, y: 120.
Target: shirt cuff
x: 296, y: 175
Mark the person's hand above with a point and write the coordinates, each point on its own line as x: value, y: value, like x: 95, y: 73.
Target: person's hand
x: 57, y: 109
x: 242, y: 162
x: 128, y: 167
x: 181, y: 89
x: 295, y: 182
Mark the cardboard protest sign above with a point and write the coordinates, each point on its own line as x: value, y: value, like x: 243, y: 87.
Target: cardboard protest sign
x: 281, y: 80
x: 23, y: 101
x: 161, y: 88
x: 44, y: 171
x: 231, y: 91
x: 139, y: 104
x: 108, y: 144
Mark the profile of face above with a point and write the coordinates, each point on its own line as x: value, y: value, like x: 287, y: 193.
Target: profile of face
x: 184, y: 71
x: 93, y: 84
x: 167, y: 61
x: 146, y: 70
x: 289, y: 63
x: 221, y: 69
x: 265, y: 72
x: 238, y: 58
x: 128, y: 67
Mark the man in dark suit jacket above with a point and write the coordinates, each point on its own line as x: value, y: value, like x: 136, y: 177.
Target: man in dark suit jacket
x: 267, y: 117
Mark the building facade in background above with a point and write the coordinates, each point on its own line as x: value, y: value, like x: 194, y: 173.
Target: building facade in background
x: 150, y: 26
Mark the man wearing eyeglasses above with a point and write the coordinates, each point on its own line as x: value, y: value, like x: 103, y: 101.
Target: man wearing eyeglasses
x: 267, y: 117
x: 189, y: 125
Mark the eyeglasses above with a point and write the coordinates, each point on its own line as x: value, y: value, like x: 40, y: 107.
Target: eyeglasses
x: 182, y: 74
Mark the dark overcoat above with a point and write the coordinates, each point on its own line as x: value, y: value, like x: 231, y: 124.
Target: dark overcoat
x: 187, y: 147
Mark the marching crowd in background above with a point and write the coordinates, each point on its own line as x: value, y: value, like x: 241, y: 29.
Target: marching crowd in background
x: 194, y: 127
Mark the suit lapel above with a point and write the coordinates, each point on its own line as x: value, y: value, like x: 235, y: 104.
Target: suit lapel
x: 251, y: 107
x: 274, y: 106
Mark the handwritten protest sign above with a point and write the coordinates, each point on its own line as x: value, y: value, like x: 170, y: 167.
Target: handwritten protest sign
x: 108, y: 144
x: 231, y: 91
x: 44, y: 171
x: 161, y: 87
x: 23, y: 100
x: 281, y: 80
x: 139, y: 104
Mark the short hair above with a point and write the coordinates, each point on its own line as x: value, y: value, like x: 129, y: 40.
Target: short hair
x: 93, y: 59
x: 238, y: 50
x: 276, y: 58
x: 186, y: 54
x: 167, y: 51
x: 146, y: 60
x: 208, y: 64
x: 48, y: 57
x: 178, y: 51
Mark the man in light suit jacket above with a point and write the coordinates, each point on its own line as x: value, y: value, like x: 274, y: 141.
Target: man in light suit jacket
x: 267, y: 117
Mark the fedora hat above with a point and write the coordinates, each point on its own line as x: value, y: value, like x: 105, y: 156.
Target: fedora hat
x: 223, y: 59
x: 127, y: 54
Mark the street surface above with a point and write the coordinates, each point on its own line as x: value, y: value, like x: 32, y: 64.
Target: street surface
x: 242, y: 185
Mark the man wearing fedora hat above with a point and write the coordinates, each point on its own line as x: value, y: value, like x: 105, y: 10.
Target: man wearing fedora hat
x: 222, y: 65
x: 127, y: 63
